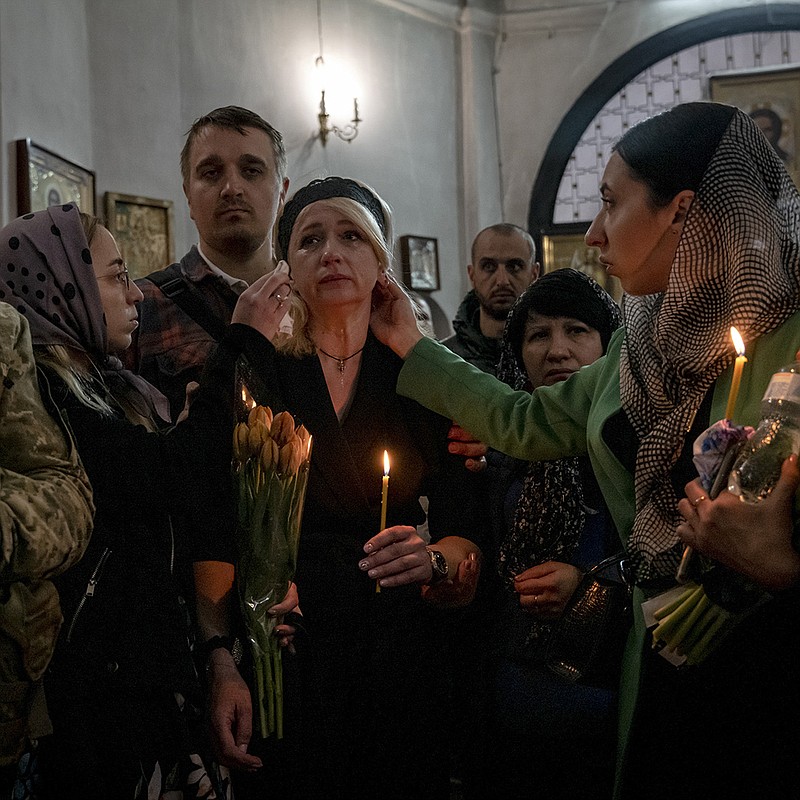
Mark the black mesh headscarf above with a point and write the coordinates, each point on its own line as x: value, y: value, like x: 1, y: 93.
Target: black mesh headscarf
x: 737, y: 263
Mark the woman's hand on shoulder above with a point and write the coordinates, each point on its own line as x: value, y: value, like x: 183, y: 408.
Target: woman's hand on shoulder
x: 545, y: 589
x: 265, y: 302
x: 463, y: 443
x: 397, y: 557
x: 393, y: 319
x: 754, y: 539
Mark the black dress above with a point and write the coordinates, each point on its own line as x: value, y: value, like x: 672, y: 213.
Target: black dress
x: 123, y: 652
x: 375, y: 692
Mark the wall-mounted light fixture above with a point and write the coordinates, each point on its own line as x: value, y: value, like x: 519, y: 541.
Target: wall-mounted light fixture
x: 348, y: 132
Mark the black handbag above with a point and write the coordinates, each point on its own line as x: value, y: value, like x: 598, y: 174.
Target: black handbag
x: 587, y: 640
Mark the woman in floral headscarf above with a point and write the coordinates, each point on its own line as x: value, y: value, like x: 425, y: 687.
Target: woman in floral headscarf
x: 701, y: 224
x: 122, y: 667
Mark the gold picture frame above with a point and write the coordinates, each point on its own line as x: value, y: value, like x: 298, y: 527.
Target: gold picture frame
x: 45, y: 179
x: 772, y: 98
x: 143, y: 228
x: 560, y: 250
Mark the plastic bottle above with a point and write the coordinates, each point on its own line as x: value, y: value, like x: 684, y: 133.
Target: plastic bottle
x: 758, y: 467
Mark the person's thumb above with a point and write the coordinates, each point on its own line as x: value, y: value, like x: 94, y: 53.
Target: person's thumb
x: 244, y: 728
x: 787, y: 485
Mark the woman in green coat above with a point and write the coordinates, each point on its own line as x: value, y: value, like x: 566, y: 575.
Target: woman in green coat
x: 701, y: 223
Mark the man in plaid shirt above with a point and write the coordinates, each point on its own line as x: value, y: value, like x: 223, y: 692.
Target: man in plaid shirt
x: 234, y: 177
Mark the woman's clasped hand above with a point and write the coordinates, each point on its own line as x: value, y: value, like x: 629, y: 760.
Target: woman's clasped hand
x: 752, y: 538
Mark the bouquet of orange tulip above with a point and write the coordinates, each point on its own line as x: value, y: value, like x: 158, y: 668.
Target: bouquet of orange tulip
x: 270, y: 467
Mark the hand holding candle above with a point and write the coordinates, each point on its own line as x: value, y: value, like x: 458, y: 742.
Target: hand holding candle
x: 741, y: 360
x: 683, y: 572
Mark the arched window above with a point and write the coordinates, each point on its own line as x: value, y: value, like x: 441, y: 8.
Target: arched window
x: 670, y: 67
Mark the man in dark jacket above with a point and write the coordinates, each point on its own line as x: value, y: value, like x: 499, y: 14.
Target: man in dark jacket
x: 503, y: 266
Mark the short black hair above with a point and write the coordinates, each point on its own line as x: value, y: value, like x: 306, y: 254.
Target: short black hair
x: 505, y: 229
x: 237, y: 119
x: 671, y: 151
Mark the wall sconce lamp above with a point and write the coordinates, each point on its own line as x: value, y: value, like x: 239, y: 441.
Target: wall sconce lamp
x: 348, y: 132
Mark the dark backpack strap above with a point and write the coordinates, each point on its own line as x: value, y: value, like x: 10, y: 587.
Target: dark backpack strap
x: 184, y: 294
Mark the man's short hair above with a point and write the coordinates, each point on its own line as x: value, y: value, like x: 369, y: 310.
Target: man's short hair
x: 506, y: 229
x: 237, y: 119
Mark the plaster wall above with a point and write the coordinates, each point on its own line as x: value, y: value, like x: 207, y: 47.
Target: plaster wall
x: 45, y: 88
x: 549, y: 54
x: 114, y: 85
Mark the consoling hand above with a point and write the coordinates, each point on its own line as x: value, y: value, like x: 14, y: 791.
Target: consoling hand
x: 754, y: 539
x: 546, y: 588
x: 393, y: 319
x: 264, y: 303
x: 397, y: 557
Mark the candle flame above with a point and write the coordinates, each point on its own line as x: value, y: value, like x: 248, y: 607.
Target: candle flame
x: 738, y: 342
x: 249, y: 402
x: 385, y: 463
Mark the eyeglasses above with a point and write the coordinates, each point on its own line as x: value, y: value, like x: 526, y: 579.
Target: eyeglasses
x: 123, y: 277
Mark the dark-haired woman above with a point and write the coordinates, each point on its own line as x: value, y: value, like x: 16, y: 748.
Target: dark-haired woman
x: 550, y: 525
x: 122, y: 668
x: 701, y: 224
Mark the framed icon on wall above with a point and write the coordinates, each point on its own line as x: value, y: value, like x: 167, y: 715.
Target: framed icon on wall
x: 561, y: 250
x: 143, y: 228
x: 45, y: 179
x: 419, y: 256
x: 771, y: 97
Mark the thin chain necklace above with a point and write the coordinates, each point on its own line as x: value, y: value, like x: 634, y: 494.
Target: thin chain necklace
x: 341, y: 360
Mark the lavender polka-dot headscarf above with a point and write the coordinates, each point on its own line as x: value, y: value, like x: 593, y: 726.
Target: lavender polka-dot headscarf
x: 46, y: 274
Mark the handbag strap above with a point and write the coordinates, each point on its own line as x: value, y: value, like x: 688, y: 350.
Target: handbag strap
x: 189, y: 298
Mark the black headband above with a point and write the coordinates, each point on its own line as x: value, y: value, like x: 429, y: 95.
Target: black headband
x: 325, y: 189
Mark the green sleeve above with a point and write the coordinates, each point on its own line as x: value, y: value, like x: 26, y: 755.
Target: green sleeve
x: 550, y: 423
x: 46, y: 506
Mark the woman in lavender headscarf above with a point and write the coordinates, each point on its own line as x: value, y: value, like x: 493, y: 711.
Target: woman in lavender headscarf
x: 121, y: 676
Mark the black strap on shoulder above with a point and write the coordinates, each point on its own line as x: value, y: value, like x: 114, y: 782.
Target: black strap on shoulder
x: 185, y: 295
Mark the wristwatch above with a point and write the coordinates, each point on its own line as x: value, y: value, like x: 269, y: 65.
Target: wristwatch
x: 439, y: 567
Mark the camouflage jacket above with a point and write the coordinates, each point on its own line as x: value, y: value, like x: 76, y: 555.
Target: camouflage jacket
x: 46, y: 516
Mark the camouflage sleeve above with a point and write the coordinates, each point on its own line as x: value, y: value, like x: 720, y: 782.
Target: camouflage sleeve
x: 46, y: 505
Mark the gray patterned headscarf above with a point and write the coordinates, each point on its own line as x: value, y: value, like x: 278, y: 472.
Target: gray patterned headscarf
x: 737, y: 263
x: 46, y: 273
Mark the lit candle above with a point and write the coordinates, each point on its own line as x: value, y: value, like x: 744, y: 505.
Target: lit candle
x: 384, y: 488
x: 247, y: 400
x: 384, y: 499
x: 737, y: 373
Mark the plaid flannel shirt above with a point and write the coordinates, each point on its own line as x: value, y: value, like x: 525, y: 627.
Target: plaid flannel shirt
x: 169, y: 348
